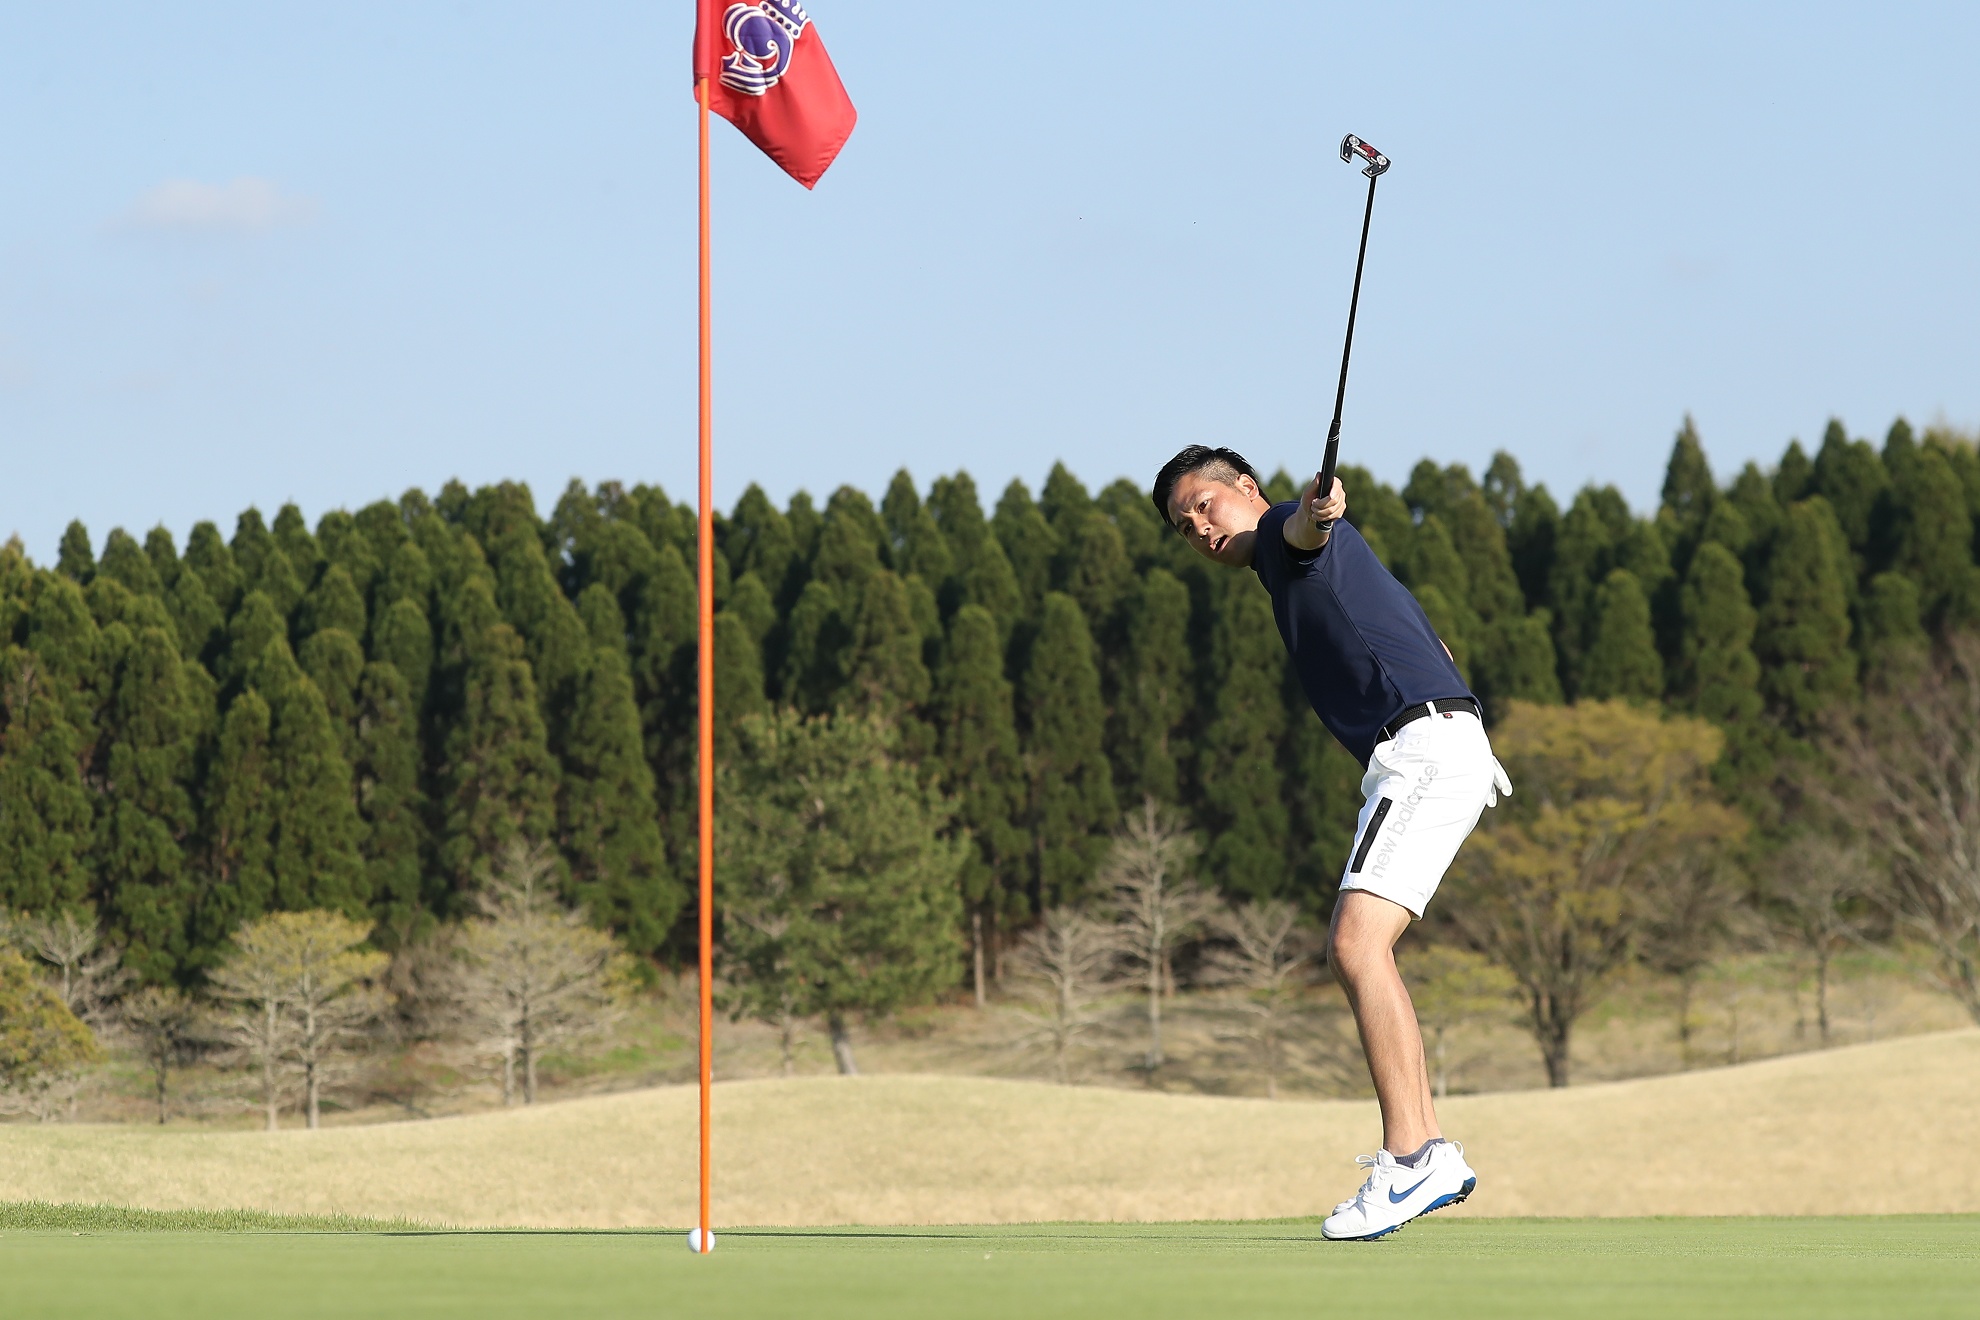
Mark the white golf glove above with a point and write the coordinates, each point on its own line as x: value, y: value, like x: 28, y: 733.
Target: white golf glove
x: 1501, y: 784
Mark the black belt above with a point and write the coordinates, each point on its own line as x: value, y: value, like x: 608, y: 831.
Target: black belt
x: 1411, y: 714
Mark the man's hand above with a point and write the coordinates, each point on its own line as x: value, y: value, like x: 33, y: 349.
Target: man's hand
x: 1309, y: 528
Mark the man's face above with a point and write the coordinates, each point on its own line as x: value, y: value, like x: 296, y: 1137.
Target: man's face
x: 1218, y: 519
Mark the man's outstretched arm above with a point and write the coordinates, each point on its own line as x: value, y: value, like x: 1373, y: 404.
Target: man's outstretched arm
x: 1308, y: 529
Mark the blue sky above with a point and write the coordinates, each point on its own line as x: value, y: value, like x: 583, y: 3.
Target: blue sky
x: 255, y: 253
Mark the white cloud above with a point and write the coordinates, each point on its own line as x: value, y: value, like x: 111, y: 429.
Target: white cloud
x: 244, y: 206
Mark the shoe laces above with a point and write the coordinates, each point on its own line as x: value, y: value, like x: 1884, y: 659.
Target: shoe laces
x: 1377, y: 1176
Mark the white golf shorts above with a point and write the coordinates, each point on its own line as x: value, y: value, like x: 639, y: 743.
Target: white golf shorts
x: 1425, y: 789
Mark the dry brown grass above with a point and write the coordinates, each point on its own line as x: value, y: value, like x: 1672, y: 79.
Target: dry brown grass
x: 1867, y: 1129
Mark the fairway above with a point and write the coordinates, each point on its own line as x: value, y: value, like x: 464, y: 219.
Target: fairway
x: 1912, y: 1266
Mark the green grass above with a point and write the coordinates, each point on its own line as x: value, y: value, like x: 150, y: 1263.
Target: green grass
x: 85, y: 1262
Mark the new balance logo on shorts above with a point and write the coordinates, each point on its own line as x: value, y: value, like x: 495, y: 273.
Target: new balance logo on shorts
x: 1393, y: 839
x: 1423, y: 792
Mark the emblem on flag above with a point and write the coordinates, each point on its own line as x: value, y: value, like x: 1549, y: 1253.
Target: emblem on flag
x: 767, y: 73
x: 762, y: 38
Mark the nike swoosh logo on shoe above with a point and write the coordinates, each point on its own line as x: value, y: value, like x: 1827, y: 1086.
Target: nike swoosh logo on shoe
x: 1397, y: 1198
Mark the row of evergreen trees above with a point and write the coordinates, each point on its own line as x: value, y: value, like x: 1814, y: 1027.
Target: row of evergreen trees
x: 352, y: 717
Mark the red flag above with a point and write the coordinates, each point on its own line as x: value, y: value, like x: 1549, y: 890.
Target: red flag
x: 769, y: 75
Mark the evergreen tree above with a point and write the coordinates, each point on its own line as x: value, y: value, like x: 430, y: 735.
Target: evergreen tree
x: 1071, y: 803
x: 1240, y: 768
x: 1802, y: 638
x: 385, y: 781
x: 255, y: 625
x: 609, y: 827
x: 1029, y: 544
x: 1377, y: 512
x: 1622, y: 651
x: 1063, y: 501
x: 849, y: 544
x: 68, y: 648
x: 1890, y: 633
x: 1760, y: 514
x: 739, y: 693
x: 885, y: 676
x: 1585, y: 549
x: 1717, y: 676
x: 125, y: 562
x: 45, y: 811
x: 498, y: 781
x: 335, y: 663
x: 314, y: 859
x: 407, y: 575
x: 1530, y: 539
x: 1146, y: 537
x: 145, y: 818
x: 1323, y: 798
x: 1930, y: 530
x: 1514, y: 657
x: 814, y: 661
x: 342, y: 542
x: 1154, y: 692
x: 1096, y: 572
x: 76, y: 557
x: 1794, y: 476
x: 535, y: 606
x: 291, y: 533
x: 402, y: 637
x: 759, y: 540
x: 1689, y: 491
x: 210, y: 557
x: 163, y: 553
x: 334, y: 602
x: 236, y: 883
x: 1850, y: 476
x: 983, y: 573
x: 1431, y: 568
x: 981, y: 771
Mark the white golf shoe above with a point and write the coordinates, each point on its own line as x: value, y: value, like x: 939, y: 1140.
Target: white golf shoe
x: 1395, y: 1194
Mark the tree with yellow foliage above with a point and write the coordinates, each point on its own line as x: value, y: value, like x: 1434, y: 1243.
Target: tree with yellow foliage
x: 1560, y: 887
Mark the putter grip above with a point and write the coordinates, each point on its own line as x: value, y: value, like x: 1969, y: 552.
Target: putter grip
x: 1333, y: 453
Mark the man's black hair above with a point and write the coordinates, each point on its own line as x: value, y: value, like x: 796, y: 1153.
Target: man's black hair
x: 1225, y: 465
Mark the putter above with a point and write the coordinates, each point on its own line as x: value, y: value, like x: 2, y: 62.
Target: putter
x: 1376, y: 164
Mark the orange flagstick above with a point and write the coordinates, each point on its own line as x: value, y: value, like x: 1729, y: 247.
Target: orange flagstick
x: 705, y: 706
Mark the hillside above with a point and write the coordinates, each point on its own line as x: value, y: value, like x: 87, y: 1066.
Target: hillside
x: 1869, y: 1129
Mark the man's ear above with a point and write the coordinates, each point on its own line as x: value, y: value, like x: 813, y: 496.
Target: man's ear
x: 1247, y: 486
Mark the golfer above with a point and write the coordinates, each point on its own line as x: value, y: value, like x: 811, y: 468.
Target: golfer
x: 1384, y: 684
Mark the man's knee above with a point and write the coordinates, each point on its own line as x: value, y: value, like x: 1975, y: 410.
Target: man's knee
x: 1355, y: 953
x: 1362, y: 938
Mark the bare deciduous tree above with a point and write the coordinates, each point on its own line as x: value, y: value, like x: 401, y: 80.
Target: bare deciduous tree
x: 1058, y: 972
x: 1817, y: 887
x: 164, y: 1025
x: 1905, y: 774
x: 302, y: 990
x: 1270, y: 954
x: 530, y: 975
x: 89, y: 974
x: 1155, y: 903
x: 1694, y: 904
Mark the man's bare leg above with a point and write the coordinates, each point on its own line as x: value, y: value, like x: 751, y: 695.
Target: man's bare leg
x: 1361, y: 947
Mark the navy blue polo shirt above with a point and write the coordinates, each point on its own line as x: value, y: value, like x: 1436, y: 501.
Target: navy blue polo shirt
x: 1362, y: 646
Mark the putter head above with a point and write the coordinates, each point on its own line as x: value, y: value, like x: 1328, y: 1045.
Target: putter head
x: 1352, y: 147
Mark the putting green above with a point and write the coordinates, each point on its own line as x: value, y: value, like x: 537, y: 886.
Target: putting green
x: 95, y: 1264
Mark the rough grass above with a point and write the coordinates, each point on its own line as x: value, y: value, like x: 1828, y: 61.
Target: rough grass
x: 1532, y: 1270
x: 1873, y: 1129
x: 52, y: 1216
